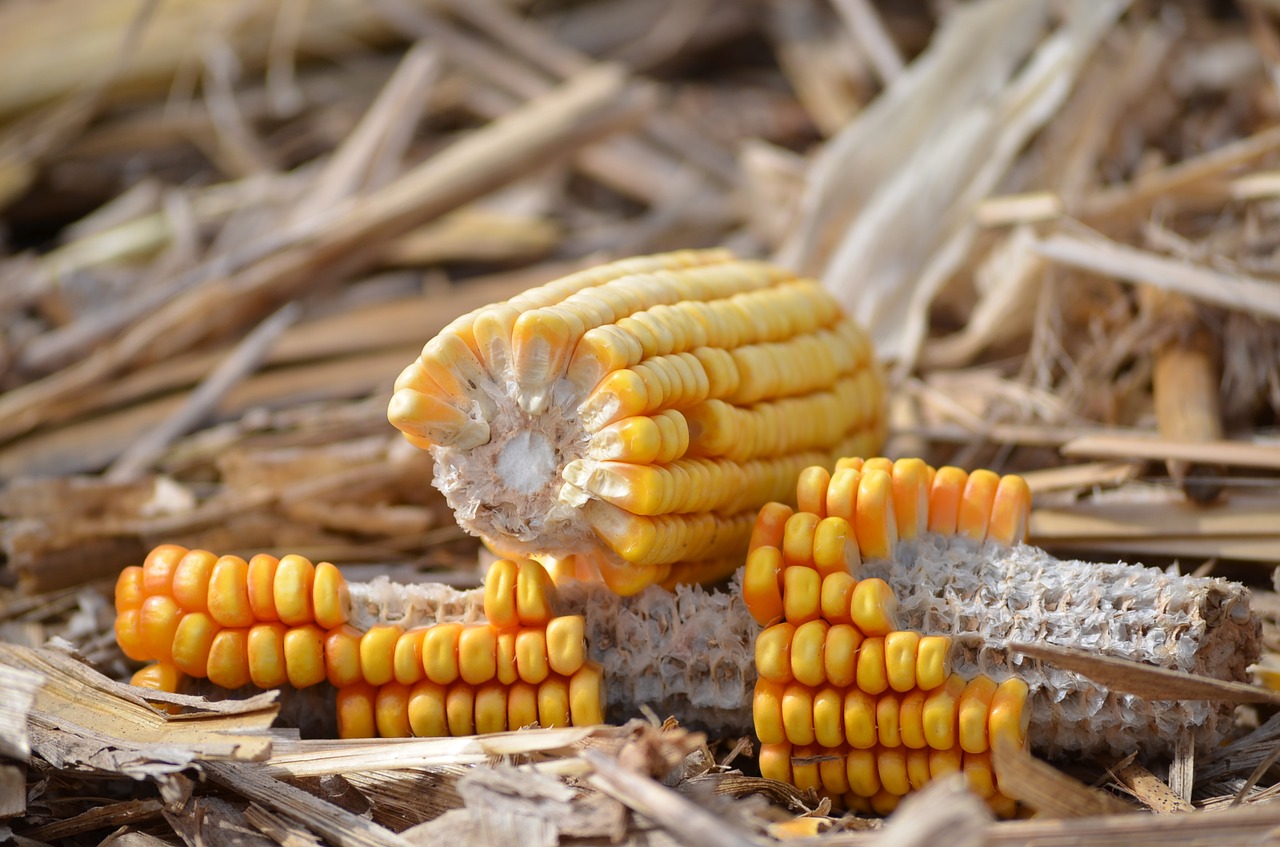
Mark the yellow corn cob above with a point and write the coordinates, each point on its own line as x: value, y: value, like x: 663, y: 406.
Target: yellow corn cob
x: 632, y: 418
x: 389, y: 679
x: 837, y: 675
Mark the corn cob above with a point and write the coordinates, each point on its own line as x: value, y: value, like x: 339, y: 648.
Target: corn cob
x: 628, y: 421
x: 201, y: 616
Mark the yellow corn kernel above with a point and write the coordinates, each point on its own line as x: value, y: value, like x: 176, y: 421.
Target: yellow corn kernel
x: 1008, y: 718
x: 775, y: 761
x: 872, y: 676
x: 875, y: 523
x: 377, y: 653
x: 828, y: 716
x: 832, y: 772
x: 766, y: 712
x: 911, y: 719
x: 342, y: 656
x: 553, y: 702
x: 268, y: 666
x: 972, y: 714
x: 811, y: 490
x: 873, y: 607
x: 440, y: 652
x: 770, y: 526
x: 979, y: 774
x: 433, y: 421
x: 426, y: 709
x: 891, y: 767
x: 535, y: 594
x: 835, y: 550
x: 842, y: 495
x: 933, y: 661
x: 885, y: 802
x: 1010, y: 511
x: 911, y: 497
x: 836, y: 599
x: 945, y: 761
x: 840, y: 654
x: 505, y: 656
x: 160, y: 676
x: 391, y: 710
x: 158, y: 569
x: 500, y: 594
x: 801, y: 594
x: 191, y: 580
x: 862, y: 772
x: 975, y: 505
x: 304, y: 657
x: 797, y: 539
x: 945, y: 496
x: 887, y: 725
x: 773, y: 652
x: 460, y: 709
x: 940, y: 715
x: 158, y: 620
x: 587, y: 695
x: 806, y: 652
x: 129, y: 591
x: 228, y: 601
x: 531, y: 655
x: 229, y: 659
x: 129, y: 635
x: 261, y: 581
x: 918, y: 767
x: 292, y: 590
x: 522, y: 705
x: 804, y: 768
x: 478, y: 654
x: 356, y: 709
x: 797, y: 713
x: 761, y: 584
x: 566, y: 644
x: 860, y: 719
x: 192, y: 641
x: 406, y: 660
x: 491, y: 707
x: 901, y: 648
x: 329, y: 596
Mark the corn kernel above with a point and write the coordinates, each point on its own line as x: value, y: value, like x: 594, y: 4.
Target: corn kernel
x: 192, y: 641
x: 261, y: 581
x: 840, y: 654
x: 304, y: 655
x: 228, y: 599
x: 342, y: 656
x: 901, y: 648
x: 329, y: 596
x: 797, y: 713
x: 566, y: 644
x: 531, y: 655
x: 828, y: 717
x: 158, y: 569
x: 801, y: 594
x: 975, y: 703
x: 933, y: 661
x: 872, y: 675
x: 426, y: 709
x: 860, y: 719
x: 975, y: 505
x: 773, y: 652
x: 391, y: 710
x: 500, y: 594
x: 587, y: 695
x: 129, y: 590
x: 873, y: 607
x: 356, y: 711
x: 491, y: 707
x: 268, y: 665
x: 460, y: 709
x: 762, y: 584
x: 440, y: 653
x: 406, y: 660
x: 292, y: 590
x: 807, y: 652
x: 191, y: 580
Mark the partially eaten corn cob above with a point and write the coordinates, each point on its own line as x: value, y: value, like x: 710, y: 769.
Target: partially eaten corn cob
x: 268, y: 622
x: 627, y: 421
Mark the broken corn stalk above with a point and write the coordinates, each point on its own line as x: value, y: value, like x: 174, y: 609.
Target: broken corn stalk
x: 626, y: 422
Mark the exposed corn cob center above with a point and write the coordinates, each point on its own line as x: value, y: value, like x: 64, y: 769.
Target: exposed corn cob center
x: 268, y: 622
x: 629, y: 420
x: 847, y: 702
